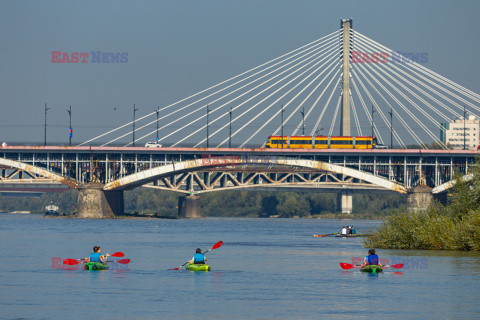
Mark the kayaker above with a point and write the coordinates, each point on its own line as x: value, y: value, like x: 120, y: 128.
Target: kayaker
x: 96, y: 256
x: 198, y: 258
x: 344, y: 231
x: 371, y: 259
x: 352, y: 230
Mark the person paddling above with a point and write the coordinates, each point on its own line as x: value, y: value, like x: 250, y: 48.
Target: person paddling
x: 371, y: 259
x: 96, y: 256
x: 198, y: 258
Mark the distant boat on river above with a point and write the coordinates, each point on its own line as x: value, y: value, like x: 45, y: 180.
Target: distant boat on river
x: 51, y: 210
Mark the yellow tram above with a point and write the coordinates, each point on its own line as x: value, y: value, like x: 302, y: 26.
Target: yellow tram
x: 320, y: 142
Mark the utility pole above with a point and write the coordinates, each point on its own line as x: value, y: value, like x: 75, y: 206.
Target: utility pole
x: 158, y: 110
x: 464, y: 116
x: 70, y: 132
x: 208, y: 123
x: 373, y: 111
x: 45, y: 126
x: 303, y: 121
x: 391, y: 128
x: 230, y: 134
x: 282, y: 126
x: 133, y: 132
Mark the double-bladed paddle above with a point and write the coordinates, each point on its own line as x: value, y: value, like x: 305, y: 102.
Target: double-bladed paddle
x: 215, y: 246
x: 116, y: 254
x: 324, y: 235
x: 347, y: 266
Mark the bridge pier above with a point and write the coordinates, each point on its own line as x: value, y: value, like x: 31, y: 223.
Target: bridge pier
x: 419, y: 198
x: 189, y: 207
x: 345, y: 201
x: 95, y: 203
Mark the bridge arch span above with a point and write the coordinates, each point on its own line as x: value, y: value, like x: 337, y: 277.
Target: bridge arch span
x: 450, y: 184
x: 146, y: 176
x: 41, y: 172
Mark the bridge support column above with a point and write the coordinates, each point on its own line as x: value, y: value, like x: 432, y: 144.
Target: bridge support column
x: 189, y: 207
x: 95, y: 203
x: 345, y: 201
x: 419, y: 198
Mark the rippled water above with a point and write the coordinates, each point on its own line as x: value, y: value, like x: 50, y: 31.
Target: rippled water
x: 266, y: 269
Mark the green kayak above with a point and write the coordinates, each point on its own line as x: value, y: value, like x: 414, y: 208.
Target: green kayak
x: 96, y: 266
x: 197, y: 267
x: 372, y: 269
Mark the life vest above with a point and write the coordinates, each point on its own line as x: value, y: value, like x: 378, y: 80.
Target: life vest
x: 372, y: 259
x: 95, y: 257
x: 198, y: 257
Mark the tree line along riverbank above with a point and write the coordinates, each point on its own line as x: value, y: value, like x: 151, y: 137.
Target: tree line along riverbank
x: 149, y: 202
x: 455, y: 226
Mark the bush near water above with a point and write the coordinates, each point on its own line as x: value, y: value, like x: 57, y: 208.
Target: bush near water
x: 452, y: 227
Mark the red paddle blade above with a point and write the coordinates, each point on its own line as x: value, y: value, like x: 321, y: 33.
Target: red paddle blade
x: 124, y: 261
x: 217, y: 245
x: 346, y: 266
x: 70, y: 262
x: 397, y: 266
x: 117, y: 254
x: 175, y: 268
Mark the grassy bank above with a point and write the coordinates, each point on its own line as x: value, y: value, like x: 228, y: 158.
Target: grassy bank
x: 452, y: 227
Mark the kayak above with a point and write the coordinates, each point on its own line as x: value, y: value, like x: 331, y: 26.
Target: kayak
x: 96, y: 266
x: 372, y: 269
x: 197, y: 267
x: 350, y: 235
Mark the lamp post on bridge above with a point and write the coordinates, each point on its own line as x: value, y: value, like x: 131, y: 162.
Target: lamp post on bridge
x: 230, y: 134
x: 303, y: 121
x: 464, y: 129
x: 70, y: 132
x: 282, y: 126
x: 133, y: 131
x: 391, y: 128
x: 45, y: 126
x: 208, y: 124
x: 158, y: 110
x: 373, y: 111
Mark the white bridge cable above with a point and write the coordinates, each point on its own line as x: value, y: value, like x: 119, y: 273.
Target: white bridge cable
x: 326, y: 104
x: 318, y: 99
x: 275, y: 102
x: 390, y: 65
x: 262, y: 100
x: 309, y: 95
x: 396, y: 76
x: 384, y: 118
x: 335, y: 116
x: 399, y: 103
x: 214, y: 86
x: 451, y: 84
x: 355, y: 117
x: 312, y: 53
x: 415, y: 66
x: 365, y: 108
x: 315, y: 56
x: 428, y: 116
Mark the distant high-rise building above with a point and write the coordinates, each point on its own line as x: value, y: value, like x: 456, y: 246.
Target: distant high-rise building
x: 454, y: 136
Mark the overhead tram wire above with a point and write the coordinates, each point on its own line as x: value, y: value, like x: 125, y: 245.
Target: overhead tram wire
x: 276, y: 101
x: 255, y: 105
x: 419, y: 68
x: 254, y: 96
x: 330, y: 132
x: 334, y: 89
x: 397, y: 101
x: 426, y: 129
x: 319, y: 97
x: 391, y: 66
x: 315, y: 53
x: 312, y: 44
x: 380, y: 111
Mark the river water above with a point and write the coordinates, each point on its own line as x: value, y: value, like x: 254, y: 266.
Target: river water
x: 266, y: 269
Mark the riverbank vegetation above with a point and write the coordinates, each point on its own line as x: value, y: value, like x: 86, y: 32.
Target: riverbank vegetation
x: 149, y: 202
x: 455, y: 226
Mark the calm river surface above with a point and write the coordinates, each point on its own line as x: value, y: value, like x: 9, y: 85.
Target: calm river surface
x: 266, y: 269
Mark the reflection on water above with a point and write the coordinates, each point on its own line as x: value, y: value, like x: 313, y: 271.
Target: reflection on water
x: 266, y: 269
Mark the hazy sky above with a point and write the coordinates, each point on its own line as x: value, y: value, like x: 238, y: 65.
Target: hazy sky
x: 176, y: 48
